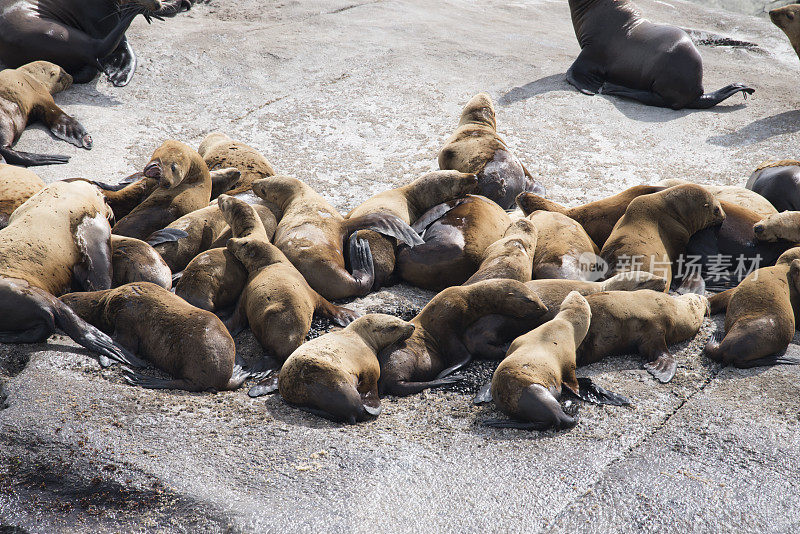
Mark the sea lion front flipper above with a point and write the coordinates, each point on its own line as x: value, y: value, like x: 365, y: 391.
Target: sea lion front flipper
x: 223, y: 180
x: 403, y: 388
x: 660, y: 362
x: 28, y: 159
x: 692, y: 283
x: 434, y: 214
x: 645, y: 97
x: 590, y: 392
x: 452, y: 348
x: 510, y: 423
x: 121, y: 65
x: 265, y: 387
x: 338, y: 314
x: 237, y: 322
x: 66, y: 128
x: 484, y: 395
x: 585, y: 75
x: 372, y: 403
x: 93, y: 239
x: 387, y: 224
x: 165, y: 235
x: 362, y: 265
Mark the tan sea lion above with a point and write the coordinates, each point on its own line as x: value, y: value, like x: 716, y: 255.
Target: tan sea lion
x: 456, y: 234
x: 26, y: 95
x: 779, y: 183
x: 17, y: 185
x: 783, y: 226
x: 741, y: 196
x: 58, y: 239
x: 563, y: 249
x: 134, y: 260
x: 192, y: 345
x: 787, y: 18
x: 220, y: 151
x: 184, y: 186
x: 437, y: 349
x: 540, y: 367
x: 312, y: 235
x: 510, y: 257
x: 476, y: 148
x: 656, y: 229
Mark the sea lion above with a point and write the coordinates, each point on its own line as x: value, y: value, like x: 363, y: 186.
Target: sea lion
x: 741, y: 196
x: 787, y: 18
x: 409, y: 202
x: 312, y: 234
x: 624, y: 55
x: 563, y: 249
x: 336, y: 375
x: 761, y: 315
x: 220, y: 151
x: 779, y: 183
x: 83, y: 36
x: 133, y: 260
x: 783, y: 226
x: 656, y: 228
x: 184, y: 186
x: 642, y: 321
x: 510, y: 257
x: 597, y: 218
x: 17, y: 185
x: 540, y: 367
x: 57, y: 239
x: 26, y: 95
x: 192, y: 345
x: 456, y: 235
x: 436, y: 348
x: 476, y: 148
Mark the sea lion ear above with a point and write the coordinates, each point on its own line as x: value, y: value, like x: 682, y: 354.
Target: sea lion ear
x: 93, y: 238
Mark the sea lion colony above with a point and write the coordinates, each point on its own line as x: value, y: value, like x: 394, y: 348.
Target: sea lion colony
x: 165, y: 268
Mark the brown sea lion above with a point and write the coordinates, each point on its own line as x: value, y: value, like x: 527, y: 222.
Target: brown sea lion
x: 779, y: 183
x: 733, y: 194
x: 623, y: 54
x: 510, y: 257
x: 456, y: 235
x: 192, y: 345
x: 312, y: 235
x: 787, y: 18
x: 26, y: 95
x: 136, y: 261
x: 656, y: 228
x: 761, y: 315
x: 437, y: 349
x: 58, y: 239
x: 597, y: 218
x: 16, y: 186
x: 540, y: 367
x: 783, y: 226
x: 336, y: 375
x: 409, y: 202
x: 220, y: 151
x: 184, y: 186
x: 563, y: 249
x: 476, y: 148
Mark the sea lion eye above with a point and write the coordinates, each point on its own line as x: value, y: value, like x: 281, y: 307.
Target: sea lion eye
x: 175, y: 168
x: 790, y: 15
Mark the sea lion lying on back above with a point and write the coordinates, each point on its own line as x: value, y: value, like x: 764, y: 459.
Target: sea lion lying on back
x: 511, y: 257
x: 779, y: 183
x: 59, y: 238
x: 16, y: 186
x: 26, y: 95
x: 220, y: 151
x: 312, y: 234
x: 476, y: 148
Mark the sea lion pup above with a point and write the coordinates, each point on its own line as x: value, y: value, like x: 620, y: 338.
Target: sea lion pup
x: 312, y: 234
x: 733, y: 194
x: 597, y: 218
x: 779, y: 183
x: 409, y: 202
x: 564, y: 249
x: 787, y: 18
x: 656, y: 228
x: 510, y: 257
x: 783, y: 226
x: 456, y: 235
x: 761, y: 316
x: 16, y: 186
x: 476, y: 148
x: 184, y: 185
x: 219, y: 151
x: 437, y: 349
x: 133, y: 260
x: 625, y: 55
x: 58, y: 238
x: 26, y: 95
x: 540, y: 366
x: 192, y: 345
x: 642, y: 321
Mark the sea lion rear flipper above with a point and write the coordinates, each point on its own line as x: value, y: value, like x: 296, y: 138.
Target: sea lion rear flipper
x: 510, y: 423
x: 692, y: 283
x: 484, y: 394
x: 709, y: 100
x: 361, y: 263
x: 27, y: 159
x: 775, y: 359
x: 93, y: 239
x: 135, y: 378
x: 223, y: 180
x: 339, y: 315
x: 387, y: 224
x: 590, y: 392
x: 661, y: 363
x: 265, y: 387
x: 404, y: 388
x: 434, y: 214
x: 165, y: 235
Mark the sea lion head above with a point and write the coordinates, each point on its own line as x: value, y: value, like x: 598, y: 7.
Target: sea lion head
x: 693, y: 205
x: 51, y: 75
x: 277, y: 190
x: 379, y: 330
x: 255, y: 253
x: 170, y: 164
x: 445, y: 184
x: 787, y: 18
x: 779, y: 226
x: 502, y: 294
x: 530, y: 202
x: 479, y: 110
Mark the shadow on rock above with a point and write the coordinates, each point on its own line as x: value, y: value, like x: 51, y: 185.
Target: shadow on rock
x: 643, y: 113
x: 555, y: 82
x: 760, y: 130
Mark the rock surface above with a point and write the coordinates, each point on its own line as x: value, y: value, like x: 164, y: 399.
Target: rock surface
x: 357, y: 97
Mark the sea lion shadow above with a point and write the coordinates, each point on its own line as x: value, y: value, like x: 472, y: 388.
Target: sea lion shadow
x: 787, y: 122
x: 86, y: 94
x: 643, y: 113
x: 554, y: 82
x: 281, y: 412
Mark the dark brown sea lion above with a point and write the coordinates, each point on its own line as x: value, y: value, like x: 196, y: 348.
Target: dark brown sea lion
x: 220, y: 151
x: 312, y: 235
x: 563, y: 249
x: 17, y: 185
x: 83, y: 36
x: 787, y: 18
x: 624, y: 55
x: 456, y: 235
x: 436, y: 348
x: 184, y: 186
x: 58, y: 239
x: 190, y: 344
x: 136, y: 261
x: 779, y: 183
x: 540, y: 368
x: 476, y: 148
x: 510, y: 257
x: 26, y: 95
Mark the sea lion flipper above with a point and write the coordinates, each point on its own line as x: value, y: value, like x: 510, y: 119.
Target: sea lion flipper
x: 645, y: 97
x: 165, y: 235
x: 265, y: 387
x: 585, y: 75
x: 223, y: 180
x: 27, y: 159
x: 361, y: 263
x: 484, y: 394
x: 93, y: 239
x: 339, y: 315
x: 692, y: 283
x: 387, y: 224
x: 662, y: 367
x: 404, y: 388
x: 510, y: 423
x: 710, y: 100
x: 67, y: 128
x: 590, y: 392
x: 434, y: 214
x: 775, y: 359
x: 135, y: 378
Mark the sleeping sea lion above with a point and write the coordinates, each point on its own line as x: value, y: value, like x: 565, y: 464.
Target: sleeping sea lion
x: 476, y: 148
x: 220, y: 151
x: 16, y: 186
x: 133, y: 260
x: 510, y: 257
x: 563, y: 249
x: 787, y: 18
x: 741, y: 196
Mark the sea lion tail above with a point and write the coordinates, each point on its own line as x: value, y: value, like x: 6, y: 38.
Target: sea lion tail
x: 165, y: 235
x: 387, y: 224
x: 27, y: 159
